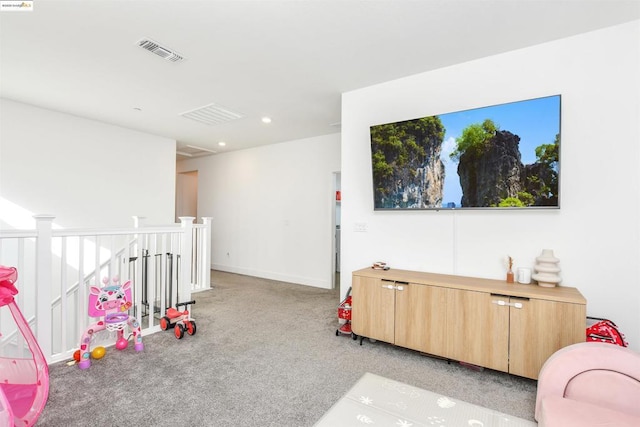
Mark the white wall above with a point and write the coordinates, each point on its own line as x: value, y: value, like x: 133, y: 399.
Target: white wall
x: 86, y: 173
x: 595, y: 233
x: 272, y: 209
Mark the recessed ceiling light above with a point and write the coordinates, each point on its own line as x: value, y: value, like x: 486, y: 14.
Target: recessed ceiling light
x: 266, y: 120
x: 222, y: 143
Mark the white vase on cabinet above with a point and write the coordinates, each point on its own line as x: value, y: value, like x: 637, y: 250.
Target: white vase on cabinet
x: 547, y: 270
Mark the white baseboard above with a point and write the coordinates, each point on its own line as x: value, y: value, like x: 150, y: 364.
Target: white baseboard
x: 315, y: 282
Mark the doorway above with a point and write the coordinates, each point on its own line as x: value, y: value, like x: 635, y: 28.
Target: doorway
x: 336, y: 204
x: 187, y: 195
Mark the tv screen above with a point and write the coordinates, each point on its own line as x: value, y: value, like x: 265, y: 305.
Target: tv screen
x: 495, y: 157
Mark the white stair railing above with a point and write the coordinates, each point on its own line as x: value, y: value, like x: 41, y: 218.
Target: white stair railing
x: 56, y: 267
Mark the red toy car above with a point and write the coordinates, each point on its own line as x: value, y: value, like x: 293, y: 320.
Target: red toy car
x: 181, y: 320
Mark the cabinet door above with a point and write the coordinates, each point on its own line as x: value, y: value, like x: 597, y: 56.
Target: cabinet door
x: 478, y: 328
x: 373, y: 308
x: 420, y: 324
x: 538, y: 329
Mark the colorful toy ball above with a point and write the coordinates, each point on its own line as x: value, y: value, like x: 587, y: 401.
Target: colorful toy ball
x: 76, y: 355
x: 122, y: 343
x: 98, y: 352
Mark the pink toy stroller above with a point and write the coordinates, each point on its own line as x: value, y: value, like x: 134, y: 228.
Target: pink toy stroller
x: 24, y: 382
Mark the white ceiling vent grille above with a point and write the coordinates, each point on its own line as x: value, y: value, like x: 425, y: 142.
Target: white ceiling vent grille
x: 194, y: 151
x: 212, y: 114
x: 161, y: 51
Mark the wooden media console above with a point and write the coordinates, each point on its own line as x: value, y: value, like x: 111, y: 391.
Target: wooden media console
x: 512, y: 328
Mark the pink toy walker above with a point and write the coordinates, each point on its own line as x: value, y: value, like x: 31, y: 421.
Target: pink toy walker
x: 24, y: 382
x: 112, y: 302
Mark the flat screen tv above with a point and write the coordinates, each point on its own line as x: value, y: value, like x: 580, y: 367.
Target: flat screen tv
x: 496, y: 157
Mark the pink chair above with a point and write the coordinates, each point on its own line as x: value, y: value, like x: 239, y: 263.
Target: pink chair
x: 590, y: 384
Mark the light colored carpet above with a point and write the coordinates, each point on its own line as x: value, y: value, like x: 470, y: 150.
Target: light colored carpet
x: 265, y: 354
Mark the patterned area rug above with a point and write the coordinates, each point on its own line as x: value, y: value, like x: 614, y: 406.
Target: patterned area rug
x: 379, y: 401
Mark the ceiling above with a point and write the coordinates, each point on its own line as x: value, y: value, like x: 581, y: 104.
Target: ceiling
x: 288, y: 60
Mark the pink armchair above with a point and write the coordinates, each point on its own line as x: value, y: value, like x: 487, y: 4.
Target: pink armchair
x: 589, y: 384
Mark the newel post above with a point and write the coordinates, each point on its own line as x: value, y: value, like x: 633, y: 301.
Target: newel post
x: 138, y: 220
x: 44, y: 282
x: 186, y: 257
x: 205, y: 265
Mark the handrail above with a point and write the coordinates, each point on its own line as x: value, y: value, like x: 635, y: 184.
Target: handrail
x: 13, y: 234
x: 48, y: 257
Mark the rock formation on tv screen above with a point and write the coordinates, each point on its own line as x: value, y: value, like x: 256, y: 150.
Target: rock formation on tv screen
x: 407, y: 169
x: 493, y: 175
x: 408, y: 172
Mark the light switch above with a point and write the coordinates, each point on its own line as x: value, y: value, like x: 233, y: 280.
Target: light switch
x: 360, y: 227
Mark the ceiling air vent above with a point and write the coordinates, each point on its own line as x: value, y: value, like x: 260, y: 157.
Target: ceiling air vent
x: 212, y: 114
x: 194, y: 151
x: 164, y: 52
